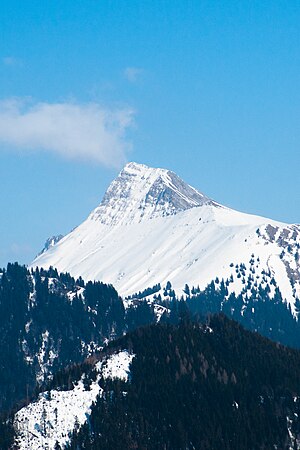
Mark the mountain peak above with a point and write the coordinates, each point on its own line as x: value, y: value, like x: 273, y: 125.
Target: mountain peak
x: 141, y: 192
x: 134, y: 167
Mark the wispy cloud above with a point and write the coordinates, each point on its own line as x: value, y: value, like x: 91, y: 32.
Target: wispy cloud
x: 132, y: 73
x: 11, y: 61
x: 73, y: 130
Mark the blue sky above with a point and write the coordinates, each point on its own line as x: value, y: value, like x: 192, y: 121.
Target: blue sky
x: 209, y: 89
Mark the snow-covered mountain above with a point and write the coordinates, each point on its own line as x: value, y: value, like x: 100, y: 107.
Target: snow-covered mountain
x: 151, y: 227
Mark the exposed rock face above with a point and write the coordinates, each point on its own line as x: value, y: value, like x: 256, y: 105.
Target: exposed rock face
x: 50, y: 242
x: 140, y: 192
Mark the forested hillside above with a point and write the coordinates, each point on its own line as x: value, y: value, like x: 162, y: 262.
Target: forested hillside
x: 50, y: 321
x: 47, y: 321
x: 196, y: 386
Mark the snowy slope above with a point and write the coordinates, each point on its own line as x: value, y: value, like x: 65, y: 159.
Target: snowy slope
x: 152, y: 227
x: 53, y: 416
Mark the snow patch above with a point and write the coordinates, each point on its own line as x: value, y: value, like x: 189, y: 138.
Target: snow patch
x: 54, y: 415
x: 117, y: 366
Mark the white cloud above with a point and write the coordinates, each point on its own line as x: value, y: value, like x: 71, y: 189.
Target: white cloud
x: 81, y: 131
x: 11, y: 61
x: 132, y: 73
